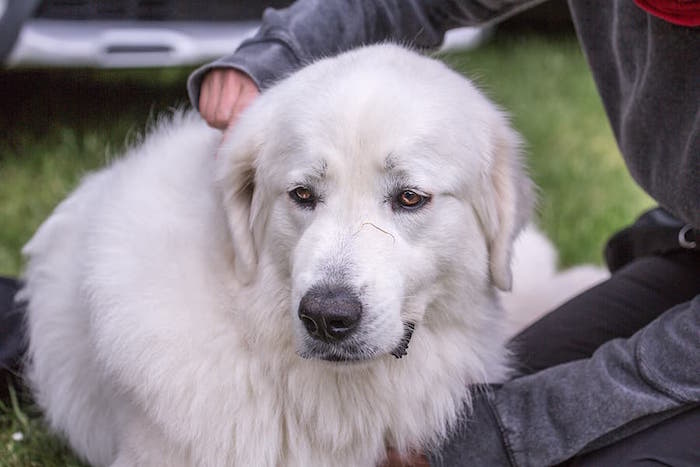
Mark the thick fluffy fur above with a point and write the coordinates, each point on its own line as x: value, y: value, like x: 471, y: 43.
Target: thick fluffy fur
x: 163, y: 292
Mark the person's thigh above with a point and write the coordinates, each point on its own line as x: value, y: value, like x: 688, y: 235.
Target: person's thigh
x: 11, y: 325
x: 633, y: 297
x: 12, y: 338
x: 673, y: 442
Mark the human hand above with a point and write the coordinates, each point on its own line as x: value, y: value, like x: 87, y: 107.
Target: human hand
x: 224, y: 94
x: 393, y: 459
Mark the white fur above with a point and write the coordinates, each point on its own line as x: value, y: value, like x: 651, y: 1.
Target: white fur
x: 538, y: 287
x: 163, y: 292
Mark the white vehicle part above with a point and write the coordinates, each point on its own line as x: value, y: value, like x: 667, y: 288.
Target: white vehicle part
x: 125, y: 44
x: 135, y: 44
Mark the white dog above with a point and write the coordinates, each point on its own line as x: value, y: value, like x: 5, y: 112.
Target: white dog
x: 248, y: 308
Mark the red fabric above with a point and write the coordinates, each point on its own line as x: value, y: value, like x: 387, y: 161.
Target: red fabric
x: 681, y: 12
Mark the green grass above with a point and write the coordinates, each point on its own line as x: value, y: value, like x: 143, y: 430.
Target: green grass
x: 57, y: 125
x: 36, y: 447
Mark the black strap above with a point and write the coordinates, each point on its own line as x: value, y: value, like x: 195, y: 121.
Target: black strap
x: 655, y: 232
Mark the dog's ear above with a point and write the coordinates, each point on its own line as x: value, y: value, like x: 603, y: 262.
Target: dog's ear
x: 505, y: 204
x: 236, y: 179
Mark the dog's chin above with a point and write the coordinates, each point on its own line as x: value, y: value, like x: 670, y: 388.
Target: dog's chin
x: 340, y: 356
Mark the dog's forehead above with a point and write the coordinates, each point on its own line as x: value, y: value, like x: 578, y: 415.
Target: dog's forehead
x: 366, y: 116
x: 415, y: 165
x: 360, y: 151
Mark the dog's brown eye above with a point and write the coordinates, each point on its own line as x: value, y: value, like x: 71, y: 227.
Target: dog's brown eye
x: 409, y: 199
x: 303, y: 196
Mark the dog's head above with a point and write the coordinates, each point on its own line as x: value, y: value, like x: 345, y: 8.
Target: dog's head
x: 376, y: 186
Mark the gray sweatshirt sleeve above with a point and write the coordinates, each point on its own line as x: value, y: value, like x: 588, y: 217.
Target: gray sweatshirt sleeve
x: 310, y: 29
x: 570, y: 409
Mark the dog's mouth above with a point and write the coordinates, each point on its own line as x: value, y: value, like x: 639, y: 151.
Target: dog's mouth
x: 345, y: 354
x: 355, y: 354
x: 402, y: 349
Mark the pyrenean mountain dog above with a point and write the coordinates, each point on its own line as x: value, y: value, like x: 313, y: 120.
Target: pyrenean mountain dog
x: 324, y: 287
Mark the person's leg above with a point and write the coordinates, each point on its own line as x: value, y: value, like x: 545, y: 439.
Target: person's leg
x: 672, y: 442
x: 632, y: 297
x: 12, y: 338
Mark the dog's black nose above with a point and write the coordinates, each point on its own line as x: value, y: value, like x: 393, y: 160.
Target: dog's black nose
x: 330, y: 313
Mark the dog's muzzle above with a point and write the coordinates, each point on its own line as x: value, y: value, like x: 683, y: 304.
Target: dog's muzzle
x: 331, y: 314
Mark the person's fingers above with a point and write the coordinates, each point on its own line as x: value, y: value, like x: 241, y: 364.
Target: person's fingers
x: 224, y: 94
x: 211, y: 88
x: 248, y: 93
x: 204, y: 95
x: 228, y: 97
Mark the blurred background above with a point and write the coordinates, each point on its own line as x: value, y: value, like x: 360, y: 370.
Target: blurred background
x: 81, y: 79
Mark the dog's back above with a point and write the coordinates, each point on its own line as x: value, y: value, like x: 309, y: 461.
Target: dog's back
x: 65, y: 371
